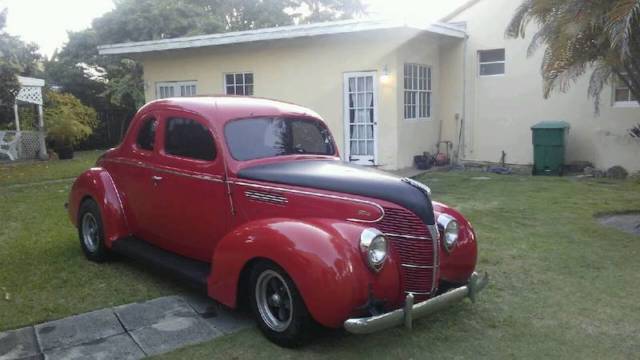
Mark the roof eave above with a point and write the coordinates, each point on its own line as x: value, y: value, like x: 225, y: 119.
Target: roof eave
x: 267, y: 34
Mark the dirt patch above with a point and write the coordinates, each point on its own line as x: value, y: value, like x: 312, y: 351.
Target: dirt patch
x: 629, y: 223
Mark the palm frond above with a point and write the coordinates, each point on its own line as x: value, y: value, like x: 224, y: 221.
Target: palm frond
x: 622, y: 22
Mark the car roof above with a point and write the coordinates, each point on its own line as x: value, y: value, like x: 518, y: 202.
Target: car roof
x: 220, y: 109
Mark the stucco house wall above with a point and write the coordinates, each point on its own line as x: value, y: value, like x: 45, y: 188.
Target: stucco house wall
x: 501, y: 109
x: 309, y: 72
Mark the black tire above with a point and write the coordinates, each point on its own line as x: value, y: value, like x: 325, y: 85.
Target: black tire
x: 88, y: 215
x: 301, y: 326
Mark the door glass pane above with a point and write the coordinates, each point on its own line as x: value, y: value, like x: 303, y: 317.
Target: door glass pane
x: 354, y: 147
x: 352, y: 84
x: 370, y: 132
x: 147, y: 134
x: 362, y: 147
x: 188, y: 138
x: 352, y: 116
x: 352, y: 100
x: 369, y: 102
x: 369, y: 83
x: 360, y: 84
x: 370, y: 147
x: 360, y: 102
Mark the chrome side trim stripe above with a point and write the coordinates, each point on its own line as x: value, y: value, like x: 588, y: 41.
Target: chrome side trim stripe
x: 309, y: 193
x: 140, y: 164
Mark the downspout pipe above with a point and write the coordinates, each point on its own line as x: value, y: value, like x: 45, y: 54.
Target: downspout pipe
x: 463, y: 117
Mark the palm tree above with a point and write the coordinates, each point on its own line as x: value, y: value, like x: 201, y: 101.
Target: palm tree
x: 580, y: 36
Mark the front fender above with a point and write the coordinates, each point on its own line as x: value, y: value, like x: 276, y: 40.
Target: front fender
x: 96, y: 183
x: 320, y: 255
x: 457, y: 266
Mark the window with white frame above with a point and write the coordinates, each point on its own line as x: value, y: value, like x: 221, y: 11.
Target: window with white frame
x: 238, y: 83
x: 623, y: 95
x: 417, y: 91
x: 492, y: 62
x: 175, y: 89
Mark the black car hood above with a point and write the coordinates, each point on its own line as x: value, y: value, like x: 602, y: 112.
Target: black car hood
x: 346, y: 178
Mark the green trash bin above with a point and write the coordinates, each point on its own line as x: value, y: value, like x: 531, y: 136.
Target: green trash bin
x: 549, y: 147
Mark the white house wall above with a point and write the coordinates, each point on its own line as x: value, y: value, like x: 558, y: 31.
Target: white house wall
x: 500, y: 110
x: 309, y: 72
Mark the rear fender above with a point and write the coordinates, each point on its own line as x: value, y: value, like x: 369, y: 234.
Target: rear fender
x: 97, y: 184
x: 320, y: 255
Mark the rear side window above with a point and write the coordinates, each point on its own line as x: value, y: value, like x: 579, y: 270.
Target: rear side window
x: 147, y: 134
x: 189, y: 139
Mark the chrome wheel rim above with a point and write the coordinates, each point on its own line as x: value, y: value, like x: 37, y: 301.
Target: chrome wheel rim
x: 90, y: 232
x: 273, y: 298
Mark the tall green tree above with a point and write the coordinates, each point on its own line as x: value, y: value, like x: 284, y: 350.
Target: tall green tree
x: 602, y: 36
x: 16, y: 58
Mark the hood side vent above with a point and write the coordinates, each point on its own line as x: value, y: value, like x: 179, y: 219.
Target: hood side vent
x: 266, y: 197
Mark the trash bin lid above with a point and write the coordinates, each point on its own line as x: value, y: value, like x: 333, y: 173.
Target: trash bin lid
x: 551, y: 125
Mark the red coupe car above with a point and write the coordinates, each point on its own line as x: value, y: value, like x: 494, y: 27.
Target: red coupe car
x: 248, y: 199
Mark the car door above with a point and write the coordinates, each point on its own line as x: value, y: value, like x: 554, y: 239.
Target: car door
x: 132, y: 174
x: 191, y: 200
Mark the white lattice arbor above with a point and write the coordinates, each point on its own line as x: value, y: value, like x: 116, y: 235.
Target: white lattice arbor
x: 31, y: 144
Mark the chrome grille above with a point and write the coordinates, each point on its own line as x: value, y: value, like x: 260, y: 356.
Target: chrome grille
x: 411, y: 240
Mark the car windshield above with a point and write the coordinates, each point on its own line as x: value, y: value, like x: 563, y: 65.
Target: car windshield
x: 263, y: 137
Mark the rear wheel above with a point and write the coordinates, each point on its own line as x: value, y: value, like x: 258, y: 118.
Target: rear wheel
x: 91, y: 231
x: 278, y: 307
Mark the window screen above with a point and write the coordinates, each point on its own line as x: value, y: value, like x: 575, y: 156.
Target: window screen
x: 623, y: 93
x: 492, y: 62
x: 238, y: 84
x: 190, y: 139
x: 417, y: 91
x: 147, y: 134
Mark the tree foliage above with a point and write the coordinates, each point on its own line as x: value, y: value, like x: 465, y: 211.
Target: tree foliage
x: 16, y: 58
x: 67, y: 120
x: 602, y: 36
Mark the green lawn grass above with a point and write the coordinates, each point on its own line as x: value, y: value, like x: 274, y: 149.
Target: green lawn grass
x: 43, y: 273
x: 34, y: 171
x: 561, y: 285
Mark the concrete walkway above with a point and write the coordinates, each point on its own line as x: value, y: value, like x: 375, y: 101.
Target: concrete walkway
x: 131, y: 331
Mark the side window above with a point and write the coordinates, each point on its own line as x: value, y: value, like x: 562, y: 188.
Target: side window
x: 147, y: 134
x: 188, y: 138
x: 492, y: 62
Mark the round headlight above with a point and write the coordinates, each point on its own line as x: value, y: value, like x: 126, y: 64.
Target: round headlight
x: 451, y: 231
x: 374, y: 247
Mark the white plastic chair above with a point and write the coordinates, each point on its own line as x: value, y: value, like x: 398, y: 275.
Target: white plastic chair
x: 9, y: 141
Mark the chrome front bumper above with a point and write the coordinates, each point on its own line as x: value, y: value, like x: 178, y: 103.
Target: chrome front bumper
x: 410, y: 311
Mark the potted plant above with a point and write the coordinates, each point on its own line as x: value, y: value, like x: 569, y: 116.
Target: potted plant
x: 68, y: 122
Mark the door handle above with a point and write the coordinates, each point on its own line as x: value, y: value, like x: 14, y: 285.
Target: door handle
x: 156, y: 179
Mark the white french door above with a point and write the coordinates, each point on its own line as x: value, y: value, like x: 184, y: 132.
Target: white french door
x: 360, y: 117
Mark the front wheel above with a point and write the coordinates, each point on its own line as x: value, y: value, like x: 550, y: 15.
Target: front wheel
x: 278, y: 307
x: 90, y: 231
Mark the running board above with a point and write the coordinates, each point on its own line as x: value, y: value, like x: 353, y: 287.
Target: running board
x: 193, y: 272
